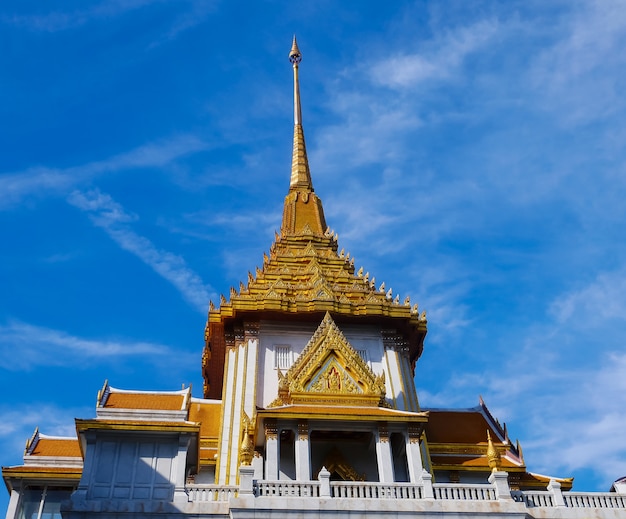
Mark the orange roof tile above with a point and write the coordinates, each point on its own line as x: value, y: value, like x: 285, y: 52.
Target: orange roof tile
x: 145, y: 401
x: 208, y: 414
x: 467, y: 426
x: 64, y: 447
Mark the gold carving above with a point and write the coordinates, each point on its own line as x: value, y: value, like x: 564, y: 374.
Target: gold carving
x: 415, y: 432
x: 246, y: 451
x: 303, y: 430
x: 335, y: 462
x: 329, y: 365
x: 383, y: 433
x: 493, y: 456
x: 271, y: 429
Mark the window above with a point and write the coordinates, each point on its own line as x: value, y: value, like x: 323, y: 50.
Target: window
x: 42, y: 502
x: 282, y: 356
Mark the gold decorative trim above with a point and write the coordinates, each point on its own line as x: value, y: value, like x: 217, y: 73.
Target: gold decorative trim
x: 330, y: 370
x: 271, y: 429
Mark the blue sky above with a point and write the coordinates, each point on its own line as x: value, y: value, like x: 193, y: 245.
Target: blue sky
x: 469, y: 154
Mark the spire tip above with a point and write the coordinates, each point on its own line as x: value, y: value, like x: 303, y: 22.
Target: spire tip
x: 295, y: 56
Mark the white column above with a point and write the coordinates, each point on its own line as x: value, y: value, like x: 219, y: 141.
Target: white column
x: 395, y: 379
x: 407, y: 381
x: 179, y: 468
x: 383, y: 455
x: 554, y: 487
x: 324, y: 479
x: 271, y: 451
x: 246, y: 479
x: 414, y: 453
x: 303, y: 457
x: 13, y: 502
x: 250, y: 378
x: 237, y: 424
x: 227, y: 415
x: 500, y: 481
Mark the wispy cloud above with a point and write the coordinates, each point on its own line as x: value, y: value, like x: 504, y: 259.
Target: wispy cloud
x: 602, y: 300
x: 107, y: 214
x: 59, y: 20
x: 43, y: 181
x: 40, y: 346
x: 193, y: 13
x: 573, y: 76
x: 442, y: 58
x: 17, y: 424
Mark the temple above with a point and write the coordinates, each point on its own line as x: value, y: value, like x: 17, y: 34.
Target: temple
x: 309, y: 409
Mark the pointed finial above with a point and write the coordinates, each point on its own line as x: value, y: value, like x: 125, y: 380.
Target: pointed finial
x: 295, y: 56
x: 303, y: 212
x: 493, y: 456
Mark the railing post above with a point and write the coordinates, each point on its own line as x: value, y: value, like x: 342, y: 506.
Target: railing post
x: 324, y: 479
x: 554, y: 487
x: 246, y: 476
x: 427, y: 485
x: 500, y: 481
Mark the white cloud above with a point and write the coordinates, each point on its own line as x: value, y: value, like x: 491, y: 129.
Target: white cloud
x: 42, y: 181
x: 578, y: 76
x: 193, y: 13
x: 442, y: 60
x: 59, y: 21
x: 40, y: 346
x: 107, y: 214
x: 603, y: 299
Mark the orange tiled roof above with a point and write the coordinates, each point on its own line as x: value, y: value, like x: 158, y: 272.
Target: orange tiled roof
x: 208, y: 414
x: 64, y: 447
x: 145, y: 401
x: 466, y: 426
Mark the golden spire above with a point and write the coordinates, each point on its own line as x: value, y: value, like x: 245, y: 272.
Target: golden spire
x: 300, y: 174
x: 303, y: 209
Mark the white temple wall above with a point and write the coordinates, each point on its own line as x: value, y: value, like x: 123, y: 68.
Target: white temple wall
x: 134, y: 467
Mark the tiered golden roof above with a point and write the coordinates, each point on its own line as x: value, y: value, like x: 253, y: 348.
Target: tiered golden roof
x: 304, y: 273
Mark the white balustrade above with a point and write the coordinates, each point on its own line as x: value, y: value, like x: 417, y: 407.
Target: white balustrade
x: 205, y: 493
x: 533, y: 498
x: 374, y: 490
x: 464, y: 492
x: 288, y: 488
x: 594, y: 500
x: 537, y: 498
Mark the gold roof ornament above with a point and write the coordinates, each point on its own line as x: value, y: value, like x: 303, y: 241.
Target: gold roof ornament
x: 493, y: 456
x: 246, y: 451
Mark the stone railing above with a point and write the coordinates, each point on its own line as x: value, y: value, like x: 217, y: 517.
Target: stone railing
x: 533, y: 498
x: 287, y: 488
x: 207, y: 493
x: 497, y: 490
x: 464, y: 492
x: 555, y: 498
x: 373, y: 490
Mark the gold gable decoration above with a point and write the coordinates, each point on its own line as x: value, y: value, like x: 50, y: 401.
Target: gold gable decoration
x: 330, y: 371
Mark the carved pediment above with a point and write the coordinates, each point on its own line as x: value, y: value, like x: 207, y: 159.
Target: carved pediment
x: 330, y: 370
